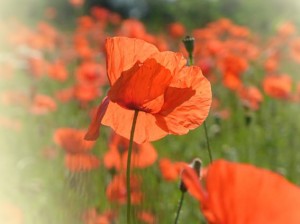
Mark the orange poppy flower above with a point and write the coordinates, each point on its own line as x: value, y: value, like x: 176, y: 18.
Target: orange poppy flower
x: 251, y: 97
x: 86, y: 93
x: 42, y: 104
x: 286, y: 29
x: 100, y: 13
x: 91, y: 73
x: 77, y: 149
x: 76, y: 3
x: 143, y: 155
x: 65, y: 95
x: 146, y: 217
x: 271, y: 64
x: 278, y: 86
x: 171, y: 171
x: 58, y: 71
x: 176, y: 30
x: 239, y: 193
x: 85, y: 23
x: 232, y: 81
x: 116, y: 190
x: 91, y: 216
x: 132, y: 28
x: 37, y: 66
x: 171, y: 98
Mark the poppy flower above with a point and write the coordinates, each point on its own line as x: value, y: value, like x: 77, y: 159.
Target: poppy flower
x: 286, y: 29
x: 100, y: 13
x: 91, y: 216
x: 132, y: 28
x: 171, y: 171
x: 143, y: 155
x: 116, y: 191
x: 251, y: 97
x: 171, y: 98
x: 146, y: 217
x: 241, y: 193
x: 65, y: 95
x: 58, y: 71
x: 77, y: 149
x: 86, y: 93
x: 176, y: 30
x: 43, y: 104
x: 278, y: 86
x: 91, y: 73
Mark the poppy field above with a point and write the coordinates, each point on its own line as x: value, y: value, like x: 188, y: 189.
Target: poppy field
x: 107, y: 121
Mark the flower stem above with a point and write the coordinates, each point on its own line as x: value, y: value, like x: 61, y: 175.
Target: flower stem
x: 207, y: 142
x: 129, y: 166
x: 179, y: 207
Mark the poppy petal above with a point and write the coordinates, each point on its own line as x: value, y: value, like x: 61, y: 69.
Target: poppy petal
x: 93, y: 131
x: 81, y: 162
x: 71, y: 140
x: 123, y: 53
x: 192, y: 183
x: 236, y: 190
x: 120, y: 120
x: 140, y: 87
x: 174, y: 62
x: 143, y: 156
x: 185, y: 109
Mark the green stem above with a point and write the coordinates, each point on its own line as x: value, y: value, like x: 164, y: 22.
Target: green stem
x: 207, y: 142
x: 191, y: 60
x: 136, y: 112
x: 179, y: 207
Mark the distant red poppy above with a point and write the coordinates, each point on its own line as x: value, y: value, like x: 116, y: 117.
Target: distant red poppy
x: 65, y: 95
x: 239, y: 193
x: 100, y: 13
x: 91, y: 216
x: 286, y: 29
x: 42, y: 104
x: 116, y: 190
x: 251, y: 97
x: 171, y: 171
x: 176, y: 30
x: 86, y: 93
x: 91, y: 73
x: 132, y: 28
x: 171, y: 98
x: 143, y: 155
x: 77, y: 149
x: 146, y: 217
x: 278, y: 86
x: 58, y: 71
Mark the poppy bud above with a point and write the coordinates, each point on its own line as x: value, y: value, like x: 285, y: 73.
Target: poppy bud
x: 196, y: 165
x: 189, y: 44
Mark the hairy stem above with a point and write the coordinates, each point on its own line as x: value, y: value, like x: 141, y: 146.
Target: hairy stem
x: 129, y: 166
